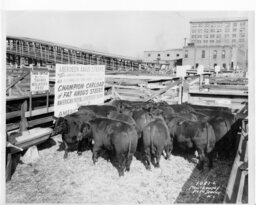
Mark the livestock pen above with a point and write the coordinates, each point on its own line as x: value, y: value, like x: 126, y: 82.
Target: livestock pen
x: 52, y: 179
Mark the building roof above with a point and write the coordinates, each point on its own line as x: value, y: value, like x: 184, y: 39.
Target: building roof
x: 175, y: 49
x: 73, y: 48
x: 212, y: 20
x: 208, y: 46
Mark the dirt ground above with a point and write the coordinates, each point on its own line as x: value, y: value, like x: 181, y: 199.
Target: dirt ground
x: 76, y: 180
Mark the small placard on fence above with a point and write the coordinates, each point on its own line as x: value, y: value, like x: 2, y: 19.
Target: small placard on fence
x: 181, y: 71
x: 200, y: 69
x: 39, y: 81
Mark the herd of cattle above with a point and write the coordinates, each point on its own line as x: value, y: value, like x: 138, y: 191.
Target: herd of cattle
x: 152, y: 129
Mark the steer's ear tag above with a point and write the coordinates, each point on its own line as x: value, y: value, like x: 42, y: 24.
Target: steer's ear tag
x: 92, y: 141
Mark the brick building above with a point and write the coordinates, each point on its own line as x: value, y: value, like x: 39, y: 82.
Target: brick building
x: 227, y: 57
x: 218, y: 41
x: 170, y: 57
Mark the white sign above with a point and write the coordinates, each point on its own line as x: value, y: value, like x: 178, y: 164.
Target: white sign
x: 217, y: 69
x: 77, y: 85
x: 200, y: 69
x: 39, y: 81
x: 181, y: 71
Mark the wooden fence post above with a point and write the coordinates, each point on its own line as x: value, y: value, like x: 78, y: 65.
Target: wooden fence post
x: 180, y: 92
x: 201, y: 79
x: 23, y: 122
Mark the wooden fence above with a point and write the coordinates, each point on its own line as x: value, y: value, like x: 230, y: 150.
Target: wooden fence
x: 237, y: 189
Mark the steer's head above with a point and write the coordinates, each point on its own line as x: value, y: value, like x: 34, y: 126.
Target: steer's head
x: 60, y: 126
x: 85, y: 131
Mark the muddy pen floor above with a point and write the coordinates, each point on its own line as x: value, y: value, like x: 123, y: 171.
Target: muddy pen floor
x: 53, y: 179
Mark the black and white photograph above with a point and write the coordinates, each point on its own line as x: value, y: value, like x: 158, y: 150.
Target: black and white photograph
x: 128, y: 106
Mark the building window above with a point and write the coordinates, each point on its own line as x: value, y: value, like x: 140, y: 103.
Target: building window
x: 158, y: 54
x: 206, y: 36
x: 234, y: 29
x: 211, y: 41
x: 193, y: 30
x: 223, y: 54
x: 218, y: 36
x: 203, y: 53
x: 241, y: 35
x: 233, y: 40
x: 224, y: 65
x: 242, y: 23
x: 177, y: 55
x: 206, y: 30
x: 212, y: 30
x: 227, y: 29
x: 199, y: 36
x: 205, y: 41
x: 198, y: 41
x: 219, y: 30
x: 186, y: 54
x: 218, y: 41
x: 168, y: 54
x: 233, y: 35
x: 242, y: 30
x: 149, y: 55
x: 199, y: 31
x: 214, y: 54
x: 234, y: 24
x: 212, y: 36
x: 226, y: 35
x: 241, y: 40
x: 226, y: 40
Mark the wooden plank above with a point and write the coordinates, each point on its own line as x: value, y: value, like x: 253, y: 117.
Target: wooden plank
x: 129, y: 87
x: 226, y: 93
x: 131, y: 92
x: 13, y: 98
x: 39, y: 111
x: 33, y: 123
x: 140, y: 77
x: 12, y: 126
x: 131, y: 98
x: 228, y: 87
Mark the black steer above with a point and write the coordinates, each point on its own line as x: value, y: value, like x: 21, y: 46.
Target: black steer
x: 193, y: 135
x: 68, y: 126
x: 99, y: 110
x: 156, y: 139
x: 118, y: 137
